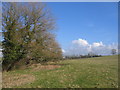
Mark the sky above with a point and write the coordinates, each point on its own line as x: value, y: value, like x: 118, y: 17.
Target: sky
x: 83, y: 27
x: 86, y: 26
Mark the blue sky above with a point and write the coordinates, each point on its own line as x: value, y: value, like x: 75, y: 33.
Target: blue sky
x: 84, y: 27
x: 91, y: 21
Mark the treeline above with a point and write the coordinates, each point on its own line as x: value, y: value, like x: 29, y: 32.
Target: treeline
x: 0, y: 44
x: 28, y: 34
x: 81, y: 56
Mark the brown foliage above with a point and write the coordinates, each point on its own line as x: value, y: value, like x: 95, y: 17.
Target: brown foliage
x: 27, y: 33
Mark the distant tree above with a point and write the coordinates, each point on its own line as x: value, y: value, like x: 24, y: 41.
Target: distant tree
x: 0, y: 44
x: 113, y: 51
x: 90, y: 54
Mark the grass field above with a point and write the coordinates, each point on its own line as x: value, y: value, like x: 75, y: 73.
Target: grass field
x: 100, y: 72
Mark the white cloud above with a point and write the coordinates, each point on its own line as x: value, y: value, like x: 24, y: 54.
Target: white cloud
x: 80, y: 42
x: 82, y: 47
x: 97, y: 44
x: 63, y: 50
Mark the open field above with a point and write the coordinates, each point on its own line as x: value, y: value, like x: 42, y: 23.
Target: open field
x: 100, y: 72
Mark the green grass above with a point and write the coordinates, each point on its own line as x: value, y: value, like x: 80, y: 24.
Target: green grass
x: 100, y: 72
x: 0, y: 57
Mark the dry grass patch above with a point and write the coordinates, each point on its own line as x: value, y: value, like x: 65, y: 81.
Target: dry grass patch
x: 16, y: 80
x: 37, y: 67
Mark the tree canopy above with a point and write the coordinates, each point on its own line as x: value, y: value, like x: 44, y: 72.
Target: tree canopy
x: 27, y: 31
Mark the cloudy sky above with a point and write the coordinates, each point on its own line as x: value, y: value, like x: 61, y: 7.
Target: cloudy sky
x: 83, y: 47
x: 86, y: 27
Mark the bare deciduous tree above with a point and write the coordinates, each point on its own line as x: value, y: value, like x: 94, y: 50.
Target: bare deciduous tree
x: 27, y: 33
x: 113, y: 52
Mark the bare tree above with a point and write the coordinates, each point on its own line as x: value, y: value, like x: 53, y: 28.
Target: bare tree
x: 113, y: 52
x: 27, y: 33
